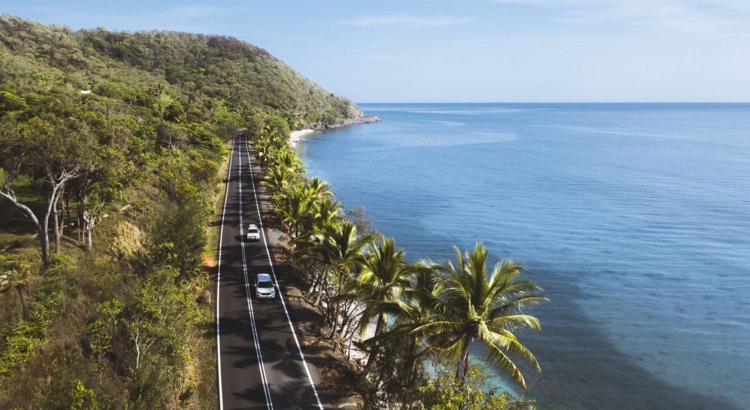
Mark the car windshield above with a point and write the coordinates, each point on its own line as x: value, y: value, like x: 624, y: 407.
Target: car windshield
x: 252, y: 230
x: 265, y: 284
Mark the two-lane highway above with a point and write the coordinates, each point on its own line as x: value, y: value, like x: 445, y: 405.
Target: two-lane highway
x: 261, y: 365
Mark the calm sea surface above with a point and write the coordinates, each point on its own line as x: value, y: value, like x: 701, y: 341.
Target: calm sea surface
x: 634, y: 218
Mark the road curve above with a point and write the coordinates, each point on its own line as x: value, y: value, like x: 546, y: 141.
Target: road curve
x: 260, y: 362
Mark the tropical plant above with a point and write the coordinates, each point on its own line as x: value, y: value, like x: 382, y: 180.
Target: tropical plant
x: 446, y: 392
x: 341, y: 249
x: 383, y: 276
x: 486, y: 306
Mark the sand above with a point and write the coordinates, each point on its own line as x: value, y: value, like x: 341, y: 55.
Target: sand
x: 296, y: 136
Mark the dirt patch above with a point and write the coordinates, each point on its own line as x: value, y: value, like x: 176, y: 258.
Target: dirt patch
x: 335, y: 371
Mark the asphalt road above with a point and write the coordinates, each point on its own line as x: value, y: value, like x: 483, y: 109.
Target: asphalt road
x: 260, y: 361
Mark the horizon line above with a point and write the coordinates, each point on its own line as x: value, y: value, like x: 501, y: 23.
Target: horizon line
x: 554, y: 102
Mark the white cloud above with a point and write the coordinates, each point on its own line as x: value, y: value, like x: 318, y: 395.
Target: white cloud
x: 403, y: 20
x: 715, y: 17
x: 693, y: 17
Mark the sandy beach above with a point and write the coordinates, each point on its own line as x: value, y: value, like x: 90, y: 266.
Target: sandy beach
x: 296, y: 136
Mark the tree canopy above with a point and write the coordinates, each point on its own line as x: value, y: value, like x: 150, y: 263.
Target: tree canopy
x: 186, y: 75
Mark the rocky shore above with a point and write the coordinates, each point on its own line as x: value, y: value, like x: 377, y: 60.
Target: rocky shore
x: 364, y: 119
x: 297, y: 135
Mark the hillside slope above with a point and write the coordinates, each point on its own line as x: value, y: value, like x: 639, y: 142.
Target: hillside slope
x: 194, y: 67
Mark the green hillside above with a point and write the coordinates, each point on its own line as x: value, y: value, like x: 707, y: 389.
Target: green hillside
x: 196, y: 69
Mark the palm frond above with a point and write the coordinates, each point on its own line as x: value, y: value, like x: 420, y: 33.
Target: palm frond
x: 498, y: 357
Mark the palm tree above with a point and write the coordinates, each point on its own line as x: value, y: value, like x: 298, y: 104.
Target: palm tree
x: 318, y: 188
x: 341, y: 247
x: 397, y: 369
x: 296, y: 209
x: 475, y: 304
x: 327, y: 213
x: 279, y: 179
x: 384, y: 274
x: 286, y: 157
x: 299, y: 208
x: 263, y: 151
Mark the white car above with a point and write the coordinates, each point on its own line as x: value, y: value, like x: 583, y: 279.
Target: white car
x: 253, y: 234
x: 264, y: 288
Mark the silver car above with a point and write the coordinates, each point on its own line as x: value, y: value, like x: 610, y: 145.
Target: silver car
x: 264, y: 288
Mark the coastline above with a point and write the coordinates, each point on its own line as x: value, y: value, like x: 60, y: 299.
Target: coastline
x: 296, y: 136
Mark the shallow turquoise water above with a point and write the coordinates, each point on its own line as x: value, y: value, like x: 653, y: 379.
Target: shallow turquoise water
x: 635, y: 218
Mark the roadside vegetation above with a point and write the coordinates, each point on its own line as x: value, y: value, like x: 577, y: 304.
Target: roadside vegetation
x: 414, y: 321
x: 110, y: 151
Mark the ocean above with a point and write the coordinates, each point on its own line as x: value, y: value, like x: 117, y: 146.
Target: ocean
x: 634, y: 218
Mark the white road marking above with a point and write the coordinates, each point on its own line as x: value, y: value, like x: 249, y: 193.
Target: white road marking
x: 276, y: 283
x: 264, y: 378
x: 218, y: 281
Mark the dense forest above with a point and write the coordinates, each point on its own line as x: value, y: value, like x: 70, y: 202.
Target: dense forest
x: 110, y: 152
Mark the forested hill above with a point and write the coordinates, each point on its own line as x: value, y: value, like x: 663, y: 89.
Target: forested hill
x: 194, y: 69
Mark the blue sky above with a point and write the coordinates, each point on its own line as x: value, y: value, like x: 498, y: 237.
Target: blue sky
x: 466, y: 50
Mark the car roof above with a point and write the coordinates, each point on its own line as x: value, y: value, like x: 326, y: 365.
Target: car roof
x: 252, y: 226
x: 264, y: 276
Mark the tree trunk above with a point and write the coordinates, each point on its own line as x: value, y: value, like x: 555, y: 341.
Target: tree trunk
x: 40, y: 229
x: 67, y: 206
x: 88, y: 226
x: 61, y: 225
x: 89, y: 242
x: 79, y: 212
x: 23, y: 295
x: 462, y: 370
x: 334, y: 325
x: 56, y: 224
x: 57, y: 182
x: 376, y: 347
x: 52, y: 210
x: 58, y: 185
x: 44, y: 239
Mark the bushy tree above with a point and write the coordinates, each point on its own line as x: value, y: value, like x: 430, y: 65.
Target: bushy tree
x: 446, y: 392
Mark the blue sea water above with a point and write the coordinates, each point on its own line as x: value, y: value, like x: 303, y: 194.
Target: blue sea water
x: 634, y: 218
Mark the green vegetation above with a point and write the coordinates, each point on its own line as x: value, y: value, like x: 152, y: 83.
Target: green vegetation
x: 424, y: 314
x: 111, y: 147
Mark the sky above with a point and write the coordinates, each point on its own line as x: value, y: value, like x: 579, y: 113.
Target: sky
x: 465, y: 50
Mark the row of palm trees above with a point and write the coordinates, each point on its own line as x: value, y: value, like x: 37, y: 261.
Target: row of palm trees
x: 411, y: 313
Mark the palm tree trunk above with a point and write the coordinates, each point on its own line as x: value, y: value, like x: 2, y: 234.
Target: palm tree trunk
x: 462, y: 370
x: 376, y: 347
